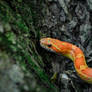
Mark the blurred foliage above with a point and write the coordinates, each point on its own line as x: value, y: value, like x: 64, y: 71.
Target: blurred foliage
x: 18, y: 38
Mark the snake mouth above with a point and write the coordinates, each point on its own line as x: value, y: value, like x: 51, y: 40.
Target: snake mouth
x: 44, y: 44
x: 42, y: 40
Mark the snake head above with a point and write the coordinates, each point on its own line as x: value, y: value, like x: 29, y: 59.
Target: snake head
x: 46, y: 43
x: 50, y: 44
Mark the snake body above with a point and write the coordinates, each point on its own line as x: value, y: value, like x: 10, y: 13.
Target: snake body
x: 71, y: 51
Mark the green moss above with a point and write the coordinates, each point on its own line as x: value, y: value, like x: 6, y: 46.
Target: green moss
x: 18, y: 22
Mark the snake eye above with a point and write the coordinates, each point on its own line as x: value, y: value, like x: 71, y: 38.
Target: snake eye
x: 49, y: 45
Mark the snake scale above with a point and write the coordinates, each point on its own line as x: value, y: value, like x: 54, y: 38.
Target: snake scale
x: 72, y: 52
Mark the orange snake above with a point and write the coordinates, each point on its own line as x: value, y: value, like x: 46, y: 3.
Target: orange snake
x: 71, y: 51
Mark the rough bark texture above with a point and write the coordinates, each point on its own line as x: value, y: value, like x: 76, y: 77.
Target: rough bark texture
x: 24, y: 65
